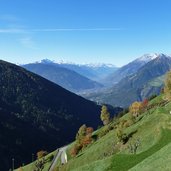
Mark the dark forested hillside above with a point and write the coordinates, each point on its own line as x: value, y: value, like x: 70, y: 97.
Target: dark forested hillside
x: 37, y: 114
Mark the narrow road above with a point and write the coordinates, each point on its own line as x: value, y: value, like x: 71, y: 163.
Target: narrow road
x: 61, y: 151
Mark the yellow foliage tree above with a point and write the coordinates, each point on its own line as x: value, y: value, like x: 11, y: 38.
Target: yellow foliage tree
x: 41, y: 154
x: 167, y: 88
x: 105, y: 115
x: 136, y: 108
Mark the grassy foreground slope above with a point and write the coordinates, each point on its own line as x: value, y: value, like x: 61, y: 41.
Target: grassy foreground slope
x: 152, y: 128
x: 105, y: 154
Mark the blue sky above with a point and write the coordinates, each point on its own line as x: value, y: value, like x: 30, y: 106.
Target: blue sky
x: 83, y: 31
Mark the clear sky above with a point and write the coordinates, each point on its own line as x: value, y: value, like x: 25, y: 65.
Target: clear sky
x: 83, y: 31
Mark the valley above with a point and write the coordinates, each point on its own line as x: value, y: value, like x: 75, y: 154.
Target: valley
x: 45, y: 110
x: 85, y: 85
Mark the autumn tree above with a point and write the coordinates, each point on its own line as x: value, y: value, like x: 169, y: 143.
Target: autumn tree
x: 83, y: 138
x: 86, y: 140
x: 167, y: 87
x: 75, y: 150
x: 41, y: 154
x: 105, y: 115
x: 136, y: 108
x: 145, y: 103
x: 89, y: 131
x: 81, y: 133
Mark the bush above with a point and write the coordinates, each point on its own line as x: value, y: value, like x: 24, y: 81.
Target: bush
x: 134, y: 146
x: 122, y: 137
x: 127, y: 124
x: 50, y: 158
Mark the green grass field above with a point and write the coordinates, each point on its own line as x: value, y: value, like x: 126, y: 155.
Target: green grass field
x: 31, y: 166
x: 153, y: 129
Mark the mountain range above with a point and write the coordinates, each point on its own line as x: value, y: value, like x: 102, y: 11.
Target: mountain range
x: 96, y: 72
x: 67, y: 78
x: 128, y: 69
x: 37, y: 114
x: 144, y: 80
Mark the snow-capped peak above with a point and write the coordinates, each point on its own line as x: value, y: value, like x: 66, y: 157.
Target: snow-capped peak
x: 45, y: 61
x: 92, y: 65
x: 148, y: 57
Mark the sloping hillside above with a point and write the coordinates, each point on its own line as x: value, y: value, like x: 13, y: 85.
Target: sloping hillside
x: 151, y: 129
x: 146, y: 81
x: 129, y: 69
x: 35, y: 112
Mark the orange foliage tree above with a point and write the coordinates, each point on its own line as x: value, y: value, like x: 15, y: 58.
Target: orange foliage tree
x: 41, y: 154
x: 83, y: 138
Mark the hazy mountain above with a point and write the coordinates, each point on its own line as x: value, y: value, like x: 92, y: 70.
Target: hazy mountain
x: 129, y: 69
x: 37, y: 114
x: 95, y: 72
x: 146, y: 81
x: 64, y: 77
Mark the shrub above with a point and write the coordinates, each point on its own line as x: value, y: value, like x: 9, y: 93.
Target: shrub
x: 127, y: 124
x: 50, y: 158
x: 134, y: 146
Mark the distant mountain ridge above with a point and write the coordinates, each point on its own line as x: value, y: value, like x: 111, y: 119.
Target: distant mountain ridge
x: 64, y: 77
x: 95, y: 72
x: 146, y: 81
x: 129, y: 69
